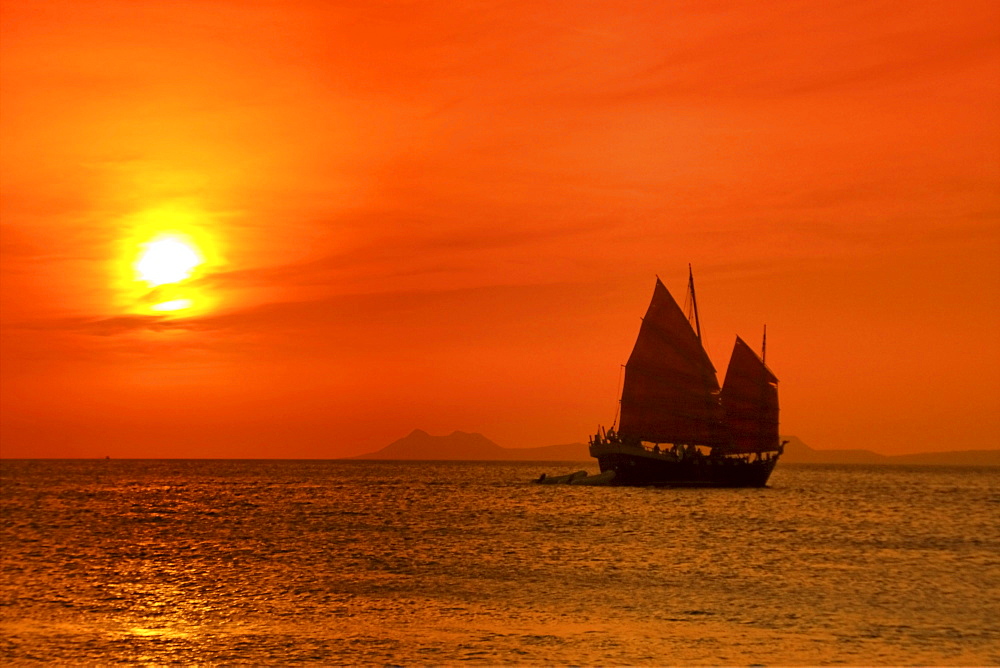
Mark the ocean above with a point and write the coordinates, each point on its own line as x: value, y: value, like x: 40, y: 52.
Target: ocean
x: 416, y: 563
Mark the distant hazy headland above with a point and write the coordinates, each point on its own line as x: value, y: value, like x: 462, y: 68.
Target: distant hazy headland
x: 797, y: 452
x: 463, y: 446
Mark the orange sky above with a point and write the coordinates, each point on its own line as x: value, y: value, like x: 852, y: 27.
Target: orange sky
x: 450, y: 215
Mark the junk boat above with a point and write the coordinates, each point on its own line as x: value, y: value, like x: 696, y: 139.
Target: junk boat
x: 676, y: 426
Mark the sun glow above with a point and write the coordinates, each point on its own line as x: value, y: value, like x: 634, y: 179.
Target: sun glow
x: 165, y: 257
x: 172, y: 305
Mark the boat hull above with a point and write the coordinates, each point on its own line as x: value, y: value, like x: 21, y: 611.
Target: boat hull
x: 639, y: 467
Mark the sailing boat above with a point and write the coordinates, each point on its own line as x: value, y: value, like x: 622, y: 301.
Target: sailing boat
x: 677, y: 426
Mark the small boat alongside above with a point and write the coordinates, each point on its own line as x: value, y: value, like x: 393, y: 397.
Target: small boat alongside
x: 599, y: 480
x: 546, y: 479
x: 578, y: 478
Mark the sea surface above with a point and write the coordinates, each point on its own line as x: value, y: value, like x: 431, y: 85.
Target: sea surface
x: 352, y: 562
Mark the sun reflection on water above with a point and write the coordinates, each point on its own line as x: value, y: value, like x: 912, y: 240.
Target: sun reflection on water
x: 161, y: 632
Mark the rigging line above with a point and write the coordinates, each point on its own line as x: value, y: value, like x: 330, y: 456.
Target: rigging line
x: 618, y: 407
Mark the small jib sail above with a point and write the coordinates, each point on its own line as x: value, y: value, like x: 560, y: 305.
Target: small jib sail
x: 750, y: 400
x: 671, y: 392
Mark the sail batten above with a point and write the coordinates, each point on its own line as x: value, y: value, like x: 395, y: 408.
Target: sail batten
x: 750, y: 400
x: 671, y: 392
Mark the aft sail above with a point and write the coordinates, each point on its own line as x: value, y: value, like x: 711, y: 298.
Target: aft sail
x: 750, y: 400
x: 671, y: 393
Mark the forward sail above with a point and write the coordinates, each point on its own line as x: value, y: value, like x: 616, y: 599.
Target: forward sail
x: 671, y: 392
x: 750, y: 400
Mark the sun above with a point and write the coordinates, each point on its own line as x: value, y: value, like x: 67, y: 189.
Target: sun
x: 166, y: 260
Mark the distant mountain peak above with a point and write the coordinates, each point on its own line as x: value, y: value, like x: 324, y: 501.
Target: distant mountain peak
x: 460, y: 445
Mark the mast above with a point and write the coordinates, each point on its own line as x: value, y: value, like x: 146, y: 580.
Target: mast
x: 763, y: 347
x: 694, y: 302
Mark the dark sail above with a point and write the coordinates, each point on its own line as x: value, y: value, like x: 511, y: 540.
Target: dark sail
x: 671, y: 393
x: 750, y: 400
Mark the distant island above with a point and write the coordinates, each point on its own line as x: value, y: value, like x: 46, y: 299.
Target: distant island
x: 797, y: 452
x: 463, y: 446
